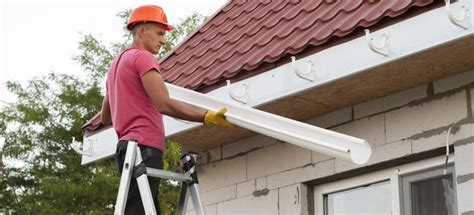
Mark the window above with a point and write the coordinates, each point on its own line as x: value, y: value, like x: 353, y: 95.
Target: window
x: 371, y: 199
x: 429, y: 193
x: 418, y: 188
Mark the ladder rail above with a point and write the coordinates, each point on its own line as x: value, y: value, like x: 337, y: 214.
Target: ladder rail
x: 183, y: 199
x: 144, y: 188
x: 133, y: 159
x: 125, y: 178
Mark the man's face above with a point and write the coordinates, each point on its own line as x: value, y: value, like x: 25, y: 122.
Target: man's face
x: 153, y: 37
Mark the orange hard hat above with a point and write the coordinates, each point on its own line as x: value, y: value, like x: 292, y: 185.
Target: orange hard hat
x: 148, y: 13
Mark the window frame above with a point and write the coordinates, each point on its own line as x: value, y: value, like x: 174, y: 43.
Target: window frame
x: 406, y: 180
x: 393, y: 175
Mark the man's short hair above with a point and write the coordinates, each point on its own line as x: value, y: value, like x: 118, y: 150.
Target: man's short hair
x: 134, y: 27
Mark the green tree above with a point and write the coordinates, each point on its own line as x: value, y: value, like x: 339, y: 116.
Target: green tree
x: 44, y: 175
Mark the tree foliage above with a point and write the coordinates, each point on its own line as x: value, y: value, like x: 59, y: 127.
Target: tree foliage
x: 39, y: 173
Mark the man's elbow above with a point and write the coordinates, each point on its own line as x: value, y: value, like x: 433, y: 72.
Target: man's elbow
x: 164, y: 107
x: 106, y: 120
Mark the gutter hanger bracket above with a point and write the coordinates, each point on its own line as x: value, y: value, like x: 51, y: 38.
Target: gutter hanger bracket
x: 464, y: 21
x: 382, y: 49
x: 76, y: 147
x: 242, y: 97
x: 310, y: 71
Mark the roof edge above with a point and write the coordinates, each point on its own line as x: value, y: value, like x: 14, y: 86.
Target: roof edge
x: 165, y: 57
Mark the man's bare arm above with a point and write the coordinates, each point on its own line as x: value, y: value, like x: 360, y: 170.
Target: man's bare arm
x: 158, y: 93
x: 106, y: 118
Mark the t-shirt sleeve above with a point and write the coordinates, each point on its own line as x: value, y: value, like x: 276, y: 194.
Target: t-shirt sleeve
x: 144, y: 62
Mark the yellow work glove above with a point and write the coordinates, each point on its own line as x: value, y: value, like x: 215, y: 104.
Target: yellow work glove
x: 216, y: 118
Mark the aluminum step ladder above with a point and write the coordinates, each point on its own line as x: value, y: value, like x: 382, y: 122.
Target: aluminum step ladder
x: 133, y: 166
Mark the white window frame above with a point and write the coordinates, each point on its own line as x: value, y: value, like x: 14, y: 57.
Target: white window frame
x: 393, y: 175
x: 406, y: 202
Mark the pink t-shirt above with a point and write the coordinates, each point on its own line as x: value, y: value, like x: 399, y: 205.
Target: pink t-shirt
x: 134, y: 116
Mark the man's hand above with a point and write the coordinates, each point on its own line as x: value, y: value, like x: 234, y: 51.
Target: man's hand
x: 217, y: 118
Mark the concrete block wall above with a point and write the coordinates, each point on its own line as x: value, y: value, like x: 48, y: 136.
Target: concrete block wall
x: 261, y: 175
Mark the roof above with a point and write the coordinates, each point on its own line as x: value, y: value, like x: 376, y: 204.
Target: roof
x: 246, y: 34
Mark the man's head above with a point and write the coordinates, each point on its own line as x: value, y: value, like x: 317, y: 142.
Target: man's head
x: 150, y: 36
x: 148, y: 25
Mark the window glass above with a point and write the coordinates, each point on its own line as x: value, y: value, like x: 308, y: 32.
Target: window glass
x: 429, y: 193
x: 373, y: 199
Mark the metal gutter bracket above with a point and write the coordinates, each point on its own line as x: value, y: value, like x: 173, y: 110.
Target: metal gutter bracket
x: 383, y: 49
x: 243, y: 97
x: 464, y: 21
x: 76, y: 147
x: 310, y: 71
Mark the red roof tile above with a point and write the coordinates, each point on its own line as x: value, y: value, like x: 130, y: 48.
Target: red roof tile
x: 245, y: 34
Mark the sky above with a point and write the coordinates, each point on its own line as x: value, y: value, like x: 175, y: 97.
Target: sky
x: 42, y: 36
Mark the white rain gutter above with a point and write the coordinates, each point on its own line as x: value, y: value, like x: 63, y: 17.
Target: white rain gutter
x: 288, y: 130
x: 414, y: 35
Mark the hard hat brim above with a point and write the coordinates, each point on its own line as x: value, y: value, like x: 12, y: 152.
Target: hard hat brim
x: 130, y: 26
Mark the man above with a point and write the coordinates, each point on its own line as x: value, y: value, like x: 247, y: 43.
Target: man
x: 137, y: 97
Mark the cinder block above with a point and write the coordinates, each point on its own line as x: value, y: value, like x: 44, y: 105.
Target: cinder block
x: 428, y: 143
x: 319, y: 170
x: 276, y: 158
x: 317, y: 157
x: 390, y: 151
x: 410, y: 120
x: 341, y: 165
x: 302, y: 174
x: 263, y: 204
x: 464, y: 159
x: 380, y: 153
x: 453, y: 82
x: 219, y: 195
x: 211, y: 155
x: 388, y: 102
x: 370, y: 129
x: 437, y: 140
x: 334, y: 118
x: 293, y: 200
x: 465, y: 197
x: 222, y: 173
x: 247, y: 144
x: 261, y: 183
x: 245, y: 188
x: 210, y: 210
x: 286, y: 178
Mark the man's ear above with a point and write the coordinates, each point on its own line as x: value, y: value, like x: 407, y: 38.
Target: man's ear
x: 140, y: 30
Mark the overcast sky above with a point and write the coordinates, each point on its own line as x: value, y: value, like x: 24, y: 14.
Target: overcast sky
x: 39, y: 36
